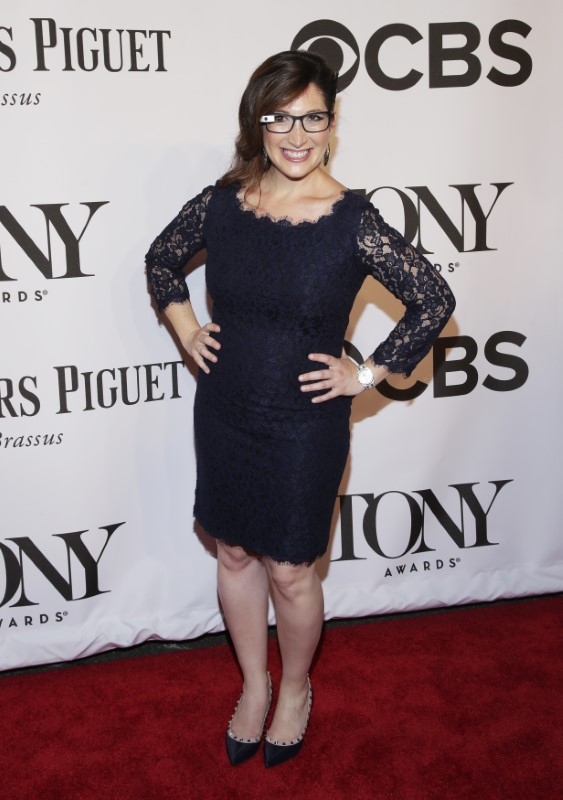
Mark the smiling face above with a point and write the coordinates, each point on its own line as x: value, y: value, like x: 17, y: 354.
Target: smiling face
x: 297, y: 154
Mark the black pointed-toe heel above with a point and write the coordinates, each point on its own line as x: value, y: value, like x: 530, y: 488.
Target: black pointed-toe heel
x: 276, y: 752
x: 239, y: 749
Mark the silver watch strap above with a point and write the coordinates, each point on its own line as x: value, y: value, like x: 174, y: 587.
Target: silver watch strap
x: 371, y: 384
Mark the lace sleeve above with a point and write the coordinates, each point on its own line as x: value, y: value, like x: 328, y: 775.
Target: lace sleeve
x: 170, y: 251
x: 411, y: 278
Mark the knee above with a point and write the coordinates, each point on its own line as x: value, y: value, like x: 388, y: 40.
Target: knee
x: 291, y: 581
x: 233, y: 559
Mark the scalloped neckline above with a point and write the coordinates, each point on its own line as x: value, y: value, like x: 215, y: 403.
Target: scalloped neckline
x: 287, y: 221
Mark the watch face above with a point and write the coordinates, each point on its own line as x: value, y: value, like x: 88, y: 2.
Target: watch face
x: 365, y: 376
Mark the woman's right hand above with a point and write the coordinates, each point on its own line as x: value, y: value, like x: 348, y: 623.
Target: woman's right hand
x: 198, y: 343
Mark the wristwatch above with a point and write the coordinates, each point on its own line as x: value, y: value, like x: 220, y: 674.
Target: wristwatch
x: 365, y: 376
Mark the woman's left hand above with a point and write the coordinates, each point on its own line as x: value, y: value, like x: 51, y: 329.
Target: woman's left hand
x: 339, y: 377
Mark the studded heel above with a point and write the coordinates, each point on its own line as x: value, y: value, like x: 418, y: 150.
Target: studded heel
x: 238, y: 748
x: 275, y: 751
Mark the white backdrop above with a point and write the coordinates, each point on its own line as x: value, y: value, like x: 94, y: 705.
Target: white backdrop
x: 451, y: 496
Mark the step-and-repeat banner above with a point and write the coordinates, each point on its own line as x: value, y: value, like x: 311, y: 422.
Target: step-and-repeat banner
x: 111, y: 116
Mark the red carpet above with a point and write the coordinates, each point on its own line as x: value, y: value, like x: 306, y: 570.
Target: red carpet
x: 455, y: 705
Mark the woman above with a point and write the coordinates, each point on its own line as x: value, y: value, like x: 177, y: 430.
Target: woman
x: 288, y: 248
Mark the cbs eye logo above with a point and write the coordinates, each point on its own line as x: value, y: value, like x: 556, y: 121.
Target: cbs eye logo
x: 450, y: 64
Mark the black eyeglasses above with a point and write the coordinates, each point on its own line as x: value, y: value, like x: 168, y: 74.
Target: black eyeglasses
x: 280, y: 122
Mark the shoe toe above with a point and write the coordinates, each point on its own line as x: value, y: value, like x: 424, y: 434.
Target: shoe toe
x: 275, y: 754
x: 240, y: 751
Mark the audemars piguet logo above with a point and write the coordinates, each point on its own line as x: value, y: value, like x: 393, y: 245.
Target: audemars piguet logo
x: 70, y: 389
x: 85, y: 49
x: 63, y: 48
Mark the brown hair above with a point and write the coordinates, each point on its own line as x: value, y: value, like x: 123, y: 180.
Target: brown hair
x: 279, y: 80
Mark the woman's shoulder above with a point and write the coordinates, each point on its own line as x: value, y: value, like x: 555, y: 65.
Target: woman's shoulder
x: 213, y: 190
x: 210, y: 196
x: 358, y: 198
x: 336, y: 191
x: 362, y: 213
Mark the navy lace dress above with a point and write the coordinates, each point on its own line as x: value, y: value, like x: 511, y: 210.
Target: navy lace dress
x: 269, y: 461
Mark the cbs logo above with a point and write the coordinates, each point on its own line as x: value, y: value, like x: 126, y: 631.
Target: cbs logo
x: 449, y: 62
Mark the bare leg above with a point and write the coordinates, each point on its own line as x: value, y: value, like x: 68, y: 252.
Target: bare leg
x: 242, y: 584
x: 298, y: 599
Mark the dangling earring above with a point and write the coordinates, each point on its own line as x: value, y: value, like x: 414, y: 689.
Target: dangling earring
x: 326, y: 155
x: 265, y: 159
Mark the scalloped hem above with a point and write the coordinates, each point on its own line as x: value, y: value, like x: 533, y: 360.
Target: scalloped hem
x: 258, y: 555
